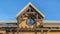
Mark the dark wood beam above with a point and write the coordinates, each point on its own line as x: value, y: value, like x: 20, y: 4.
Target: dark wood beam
x: 18, y: 21
x: 35, y: 28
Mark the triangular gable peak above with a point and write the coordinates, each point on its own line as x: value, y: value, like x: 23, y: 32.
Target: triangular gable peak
x: 26, y: 7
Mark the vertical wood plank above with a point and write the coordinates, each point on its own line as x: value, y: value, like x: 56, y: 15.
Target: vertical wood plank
x: 41, y: 30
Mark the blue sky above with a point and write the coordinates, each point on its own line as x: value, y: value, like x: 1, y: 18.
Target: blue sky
x: 9, y: 8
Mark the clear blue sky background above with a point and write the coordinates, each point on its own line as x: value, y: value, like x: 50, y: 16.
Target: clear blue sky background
x: 9, y: 8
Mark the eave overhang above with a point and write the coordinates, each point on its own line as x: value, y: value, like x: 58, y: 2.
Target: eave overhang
x: 51, y: 23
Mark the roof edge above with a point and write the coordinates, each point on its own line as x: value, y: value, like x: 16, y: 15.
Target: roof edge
x: 9, y: 21
x: 26, y: 7
x: 51, y: 21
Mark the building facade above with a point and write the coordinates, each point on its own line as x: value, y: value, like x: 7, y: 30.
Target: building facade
x: 30, y: 21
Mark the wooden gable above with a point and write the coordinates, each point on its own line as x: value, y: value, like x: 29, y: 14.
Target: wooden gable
x: 29, y: 11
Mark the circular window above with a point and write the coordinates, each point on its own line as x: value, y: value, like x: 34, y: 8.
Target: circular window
x: 30, y: 21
